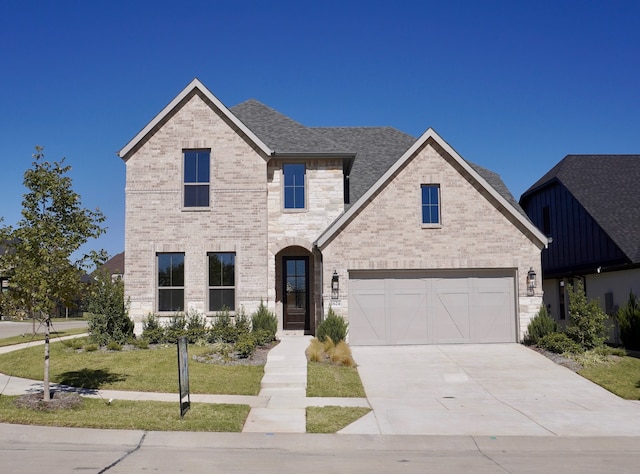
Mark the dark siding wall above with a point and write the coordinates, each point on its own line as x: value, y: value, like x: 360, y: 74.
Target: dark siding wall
x: 579, y: 243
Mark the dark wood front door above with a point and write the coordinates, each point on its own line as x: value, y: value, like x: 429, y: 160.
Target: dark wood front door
x: 296, y: 292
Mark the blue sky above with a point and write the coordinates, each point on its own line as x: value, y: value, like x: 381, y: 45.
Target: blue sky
x: 513, y: 86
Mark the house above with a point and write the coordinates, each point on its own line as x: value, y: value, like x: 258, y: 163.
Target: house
x: 589, y: 206
x: 114, y: 266
x: 404, y: 238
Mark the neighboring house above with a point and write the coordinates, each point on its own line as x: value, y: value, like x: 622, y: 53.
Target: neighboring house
x: 401, y: 236
x: 590, y: 206
x: 115, y: 266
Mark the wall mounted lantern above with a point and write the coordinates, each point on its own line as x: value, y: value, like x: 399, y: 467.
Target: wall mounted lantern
x: 335, y: 286
x: 531, y: 282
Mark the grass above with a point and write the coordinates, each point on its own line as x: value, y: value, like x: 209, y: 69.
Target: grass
x: 332, y: 419
x: 131, y: 415
x: 153, y: 370
x: 327, y: 380
x: 621, y: 376
x: 28, y: 337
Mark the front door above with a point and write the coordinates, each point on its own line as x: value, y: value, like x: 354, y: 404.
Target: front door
x: 296, y: 292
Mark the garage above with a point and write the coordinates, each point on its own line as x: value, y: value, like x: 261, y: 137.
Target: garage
x: 426, y: 307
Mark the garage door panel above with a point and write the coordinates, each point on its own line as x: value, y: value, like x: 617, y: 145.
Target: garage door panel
x: 494, y: 301
x: 451, y: 319
x: 367, y: 320
x: 407, y: 310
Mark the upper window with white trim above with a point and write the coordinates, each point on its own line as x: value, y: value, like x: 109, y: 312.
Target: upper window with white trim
x: 196, y: 178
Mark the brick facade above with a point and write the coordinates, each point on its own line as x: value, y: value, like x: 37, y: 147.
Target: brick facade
x: 247, y: 216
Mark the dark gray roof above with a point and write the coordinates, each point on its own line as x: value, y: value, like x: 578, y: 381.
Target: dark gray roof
x: 115, y: 265
x: 608, y: 187
x: 375, y: 148
x: 282, y: 134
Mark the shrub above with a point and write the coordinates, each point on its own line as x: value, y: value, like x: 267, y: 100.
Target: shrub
x: 541, y: 325
x: 587, y: 319
x: 114, y: 346
x: 140, y: 343
x: 242, y: 323
x: 629, y: 323
x: 333, y: 326
x: 196, y: 326
x: 152, y: 330
x: 108, y: 316
x: 559, y: 343
x: 91, y: 347
x: 222, y: 329
x: 262, y: 337
x: 176, y: 328
x: 245, y: 345
x: 264, y: 320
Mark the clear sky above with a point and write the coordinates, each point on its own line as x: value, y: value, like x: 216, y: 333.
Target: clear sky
x: 513, y: 86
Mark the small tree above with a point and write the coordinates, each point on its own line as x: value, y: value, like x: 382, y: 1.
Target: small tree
x: 541, y: 325
x: 587, y: 319
x: 53, y: 227
x: 108, y: 316
x: 629, y: 322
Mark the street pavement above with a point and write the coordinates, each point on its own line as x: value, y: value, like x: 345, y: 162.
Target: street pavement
x: 26, y: 328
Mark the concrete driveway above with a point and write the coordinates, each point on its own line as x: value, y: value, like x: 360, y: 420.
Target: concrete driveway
x: 484, y: 389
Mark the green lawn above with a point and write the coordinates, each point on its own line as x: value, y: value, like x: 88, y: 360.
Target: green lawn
x: 130, y: 415
x: 621, y: 376
x: 328, y: 380
x: 332, y: 419
x: 150, y: 370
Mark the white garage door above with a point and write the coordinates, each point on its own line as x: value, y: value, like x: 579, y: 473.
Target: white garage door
x: 387, y: 308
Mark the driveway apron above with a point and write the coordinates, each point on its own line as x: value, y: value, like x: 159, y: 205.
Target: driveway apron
x: 484, y: 389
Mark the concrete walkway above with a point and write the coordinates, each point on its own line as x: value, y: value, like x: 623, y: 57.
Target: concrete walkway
x: 280, y: 406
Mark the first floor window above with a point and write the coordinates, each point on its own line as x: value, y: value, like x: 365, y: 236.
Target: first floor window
x: 222, y: 281
x: 171, y: 282
x: 431, y: 204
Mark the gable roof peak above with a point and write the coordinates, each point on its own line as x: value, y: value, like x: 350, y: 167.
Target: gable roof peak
x: 193, y: 87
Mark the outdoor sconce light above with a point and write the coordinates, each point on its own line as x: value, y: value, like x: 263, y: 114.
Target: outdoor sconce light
x: 531, y: 282
x: 335, y: 286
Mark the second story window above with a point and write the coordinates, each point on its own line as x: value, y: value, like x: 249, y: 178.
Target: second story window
x: 196, y: 178
x: 431, y: 204
x: 294, y: 184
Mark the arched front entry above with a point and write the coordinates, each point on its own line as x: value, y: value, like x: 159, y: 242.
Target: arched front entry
x: 295, y: 267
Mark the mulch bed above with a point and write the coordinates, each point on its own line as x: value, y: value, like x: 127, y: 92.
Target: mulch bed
x: 559, y: 359
x: 59, y: 401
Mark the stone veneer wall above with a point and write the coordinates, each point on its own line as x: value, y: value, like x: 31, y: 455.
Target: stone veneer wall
x: 324, y: 203
x: 156, y: 221
x: 474, y: 234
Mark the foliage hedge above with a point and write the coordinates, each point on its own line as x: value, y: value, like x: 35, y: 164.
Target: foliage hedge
x: 241, y: 332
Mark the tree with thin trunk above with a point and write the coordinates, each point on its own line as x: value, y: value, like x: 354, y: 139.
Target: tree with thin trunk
x: 39, y: 250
